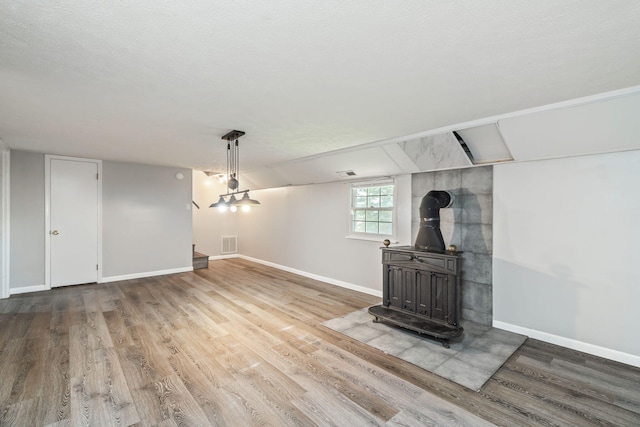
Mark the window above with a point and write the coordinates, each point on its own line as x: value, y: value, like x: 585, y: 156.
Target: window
x: 372, y: 208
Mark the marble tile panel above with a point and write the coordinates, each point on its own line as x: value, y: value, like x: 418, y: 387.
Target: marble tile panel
x: 364, y: 332
x: 473, y: 330
x: 428, y: 360
x: 448, y: 180
x: 468, y: 225
x: 421, y: 184
x: 497, y: 348
x: 502, y: 336
x: 341, y: 324
x: 477, y: 268
x: 476, y: 209
x: 478, y: 180
x: 461, y: 373
x: 392, y: 343
x: 477, y: 238
x: 476, y: 296
x: 482, y: 317
x: 480, y: 359
x: 451, y: 215
x: 361, y: 316
x: 455, y: 345
x: 436, y: 152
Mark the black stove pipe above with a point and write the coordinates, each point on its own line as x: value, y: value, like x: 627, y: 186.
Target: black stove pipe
x: 429, y: 236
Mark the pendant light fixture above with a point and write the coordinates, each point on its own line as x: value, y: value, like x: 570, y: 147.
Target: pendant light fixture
x: 233, y: 178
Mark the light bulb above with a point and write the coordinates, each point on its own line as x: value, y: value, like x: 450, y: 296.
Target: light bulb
x: 246, y: 208
x: 222, y: 208
x: 233, y: 208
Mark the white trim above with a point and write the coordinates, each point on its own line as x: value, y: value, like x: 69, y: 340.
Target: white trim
x: 216, y: 257
x: 27, y: 289
x: 146, y: 274
x: 329, y: 280
x: 5, y: 226
x: 607, y: 353
x: 99, y: 276
x: 47, y: 214
x: 371, y: 182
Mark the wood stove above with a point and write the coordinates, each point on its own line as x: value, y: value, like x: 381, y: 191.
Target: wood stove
x: 420, y: 292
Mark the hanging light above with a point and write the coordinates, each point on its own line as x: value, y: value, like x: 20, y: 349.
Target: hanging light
x: 233, y: 203
x: 220, y: 204
x: 246, y: 201
x: 232, y: 178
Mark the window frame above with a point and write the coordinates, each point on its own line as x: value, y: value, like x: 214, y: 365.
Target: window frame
x: 352, y: 208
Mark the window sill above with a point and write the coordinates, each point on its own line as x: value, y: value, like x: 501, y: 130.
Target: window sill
x: 371, y: 238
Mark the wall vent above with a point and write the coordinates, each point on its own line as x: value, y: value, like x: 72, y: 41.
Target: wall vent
x: 229, y: 244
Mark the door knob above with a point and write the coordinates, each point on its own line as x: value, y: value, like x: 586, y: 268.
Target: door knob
x: 55, y: 232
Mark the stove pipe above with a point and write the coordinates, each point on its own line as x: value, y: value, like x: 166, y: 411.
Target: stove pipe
x: 430, y: 237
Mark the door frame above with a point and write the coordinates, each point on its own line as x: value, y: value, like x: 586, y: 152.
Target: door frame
x: 5, y: 225
x: 47, y: 209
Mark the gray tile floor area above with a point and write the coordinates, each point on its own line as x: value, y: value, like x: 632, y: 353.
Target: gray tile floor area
x: 472, y: 359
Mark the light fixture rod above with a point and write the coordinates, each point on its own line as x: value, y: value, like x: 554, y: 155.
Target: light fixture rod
x: 230, y: 162
x: 235, y: 192
x: 236, y: 154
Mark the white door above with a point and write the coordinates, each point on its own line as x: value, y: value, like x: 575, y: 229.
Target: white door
x: 73, y: 213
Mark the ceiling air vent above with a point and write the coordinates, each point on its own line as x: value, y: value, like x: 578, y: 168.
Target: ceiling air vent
x: 346, y: 174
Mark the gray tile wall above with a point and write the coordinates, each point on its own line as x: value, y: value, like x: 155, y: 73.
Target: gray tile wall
x: 468, y: 224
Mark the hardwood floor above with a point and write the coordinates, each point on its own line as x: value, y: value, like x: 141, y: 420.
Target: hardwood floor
x: 241, y: 344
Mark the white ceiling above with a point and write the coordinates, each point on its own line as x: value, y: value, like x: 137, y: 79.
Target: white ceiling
x: 161, y: 82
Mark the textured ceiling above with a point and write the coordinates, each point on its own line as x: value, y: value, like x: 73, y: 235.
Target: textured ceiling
x: 160, y: 82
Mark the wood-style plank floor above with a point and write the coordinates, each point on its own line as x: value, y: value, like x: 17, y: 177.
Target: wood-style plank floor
x: 240, y: 344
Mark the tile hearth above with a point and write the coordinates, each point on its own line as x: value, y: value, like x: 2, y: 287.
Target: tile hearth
x: 472, y: 359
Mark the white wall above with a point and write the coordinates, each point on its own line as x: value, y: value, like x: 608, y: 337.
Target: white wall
x: 301, y: 229
x: 566, y: 252
x: 146, y: 220
x: 27, y: 222
x: 304, y: 228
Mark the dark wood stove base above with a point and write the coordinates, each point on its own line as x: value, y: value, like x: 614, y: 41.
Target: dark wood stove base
x: 442, y: 331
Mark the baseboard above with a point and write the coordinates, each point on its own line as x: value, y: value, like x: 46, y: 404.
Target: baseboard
x: 584, y: 347
x: 215, y: 257
x: 28, y: 289
x: 145, y: 274
x: 329, y: 280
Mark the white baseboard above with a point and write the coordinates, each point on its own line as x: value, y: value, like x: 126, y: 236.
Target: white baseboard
x: 145, y: 274
x: 317, y: 277
x: 607, y: 353
x: 215, y: 257
x: 28, y: 289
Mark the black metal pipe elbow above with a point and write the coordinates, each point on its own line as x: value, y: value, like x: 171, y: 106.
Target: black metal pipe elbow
x: 429, y: 236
